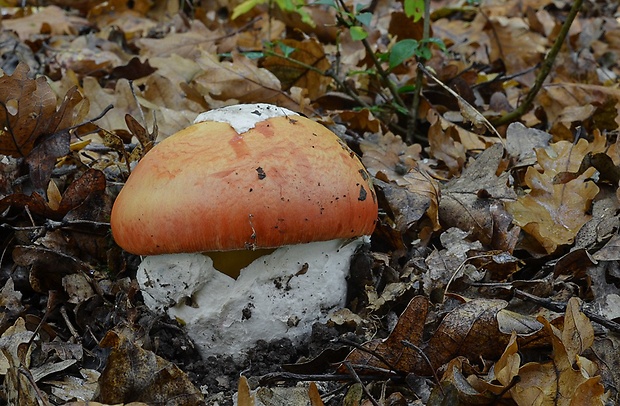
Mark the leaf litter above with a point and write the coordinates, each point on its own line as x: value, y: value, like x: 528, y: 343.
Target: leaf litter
x: 492, y: 277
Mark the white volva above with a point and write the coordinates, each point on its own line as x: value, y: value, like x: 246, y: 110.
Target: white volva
x: 244, y: 117
x: 277, y: 295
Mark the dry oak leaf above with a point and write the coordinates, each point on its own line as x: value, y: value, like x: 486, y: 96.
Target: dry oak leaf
x: 53, y: 19
x: 459, y: 334
x: 557, y: 382
x: 553, y: 213
x: 26, y: 106
x: 239, y: 80
x: 564, y: 156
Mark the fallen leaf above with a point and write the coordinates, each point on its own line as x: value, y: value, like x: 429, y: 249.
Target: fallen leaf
x: 25, y: 111
x: 309, y: 52
x: 474, y: 200
x: 136, y: 374
x: 556, y: 382
x: 53, y: 18
x: 554, y: 213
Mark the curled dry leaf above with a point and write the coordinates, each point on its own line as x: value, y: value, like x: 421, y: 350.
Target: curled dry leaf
x: 135, y: 374
x: 553, y: 212
x: 408, y: 189
x: 25, y: 111
x: 473, y: 201
x: 558, y: 382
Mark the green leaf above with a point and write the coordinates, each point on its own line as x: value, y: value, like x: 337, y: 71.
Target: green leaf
x: 406, y: 89
x: 437, y: 41
x: 414, y: 8
x: 364, y: 18
x: 358, y: 33
x: 245, y: 7
x: 424, y: 53
x: 331, y: 3
x: 286, y: 50
x: 254, y: 54
x: 401, y: 51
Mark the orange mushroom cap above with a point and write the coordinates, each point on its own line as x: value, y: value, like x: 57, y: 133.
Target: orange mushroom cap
x: 287, y: 180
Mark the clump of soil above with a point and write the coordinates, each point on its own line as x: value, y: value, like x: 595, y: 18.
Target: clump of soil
x: 217, y: 376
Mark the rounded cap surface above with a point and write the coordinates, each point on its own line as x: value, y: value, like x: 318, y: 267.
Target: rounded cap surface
x: 285, y: 180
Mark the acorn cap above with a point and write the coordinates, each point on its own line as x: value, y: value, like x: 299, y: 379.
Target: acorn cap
x: 244, y: 177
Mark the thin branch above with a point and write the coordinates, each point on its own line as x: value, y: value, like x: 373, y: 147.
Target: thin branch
x: 561, y: 308
x: 383, y: 75
x: 412, y: 125
x: 544, y: 70
x: 328, y: 73
x: 358, y: 380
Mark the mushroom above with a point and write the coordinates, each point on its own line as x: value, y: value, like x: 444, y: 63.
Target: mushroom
x: 248, y: 220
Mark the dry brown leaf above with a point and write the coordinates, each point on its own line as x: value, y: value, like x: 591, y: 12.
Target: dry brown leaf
x: 26, y: 108
x: 473, y: 201
x: 459, y: 334
x: 309, y: 52
x: 560, y: 99
x: 239, y: 80
x: 86, y: 57
x: 578, y: 334
x: 388, y: 154
x: 403, y: 358
x: 556, y: 382
x: 553, y: 212
x: 361, y: 121
x: 449, y: 263
x: 135, y: 374
x: 314, y: 395
x: 444, y: 147
x: 521, y: 143
x: 464, y: 328
x: 519, y: 48
x: 52, y: 18
x: 189, y: 44
x: 244, y: 396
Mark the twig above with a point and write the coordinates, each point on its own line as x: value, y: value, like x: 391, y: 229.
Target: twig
x: 373, y: 353
x: 358, y: 380
x: 559, y: 307
x: 409, y: 344
x: 383, y: 75
x: 412, y: 127
x: 289, y: 376
x: 545, y: 69
x: 328, y: 73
